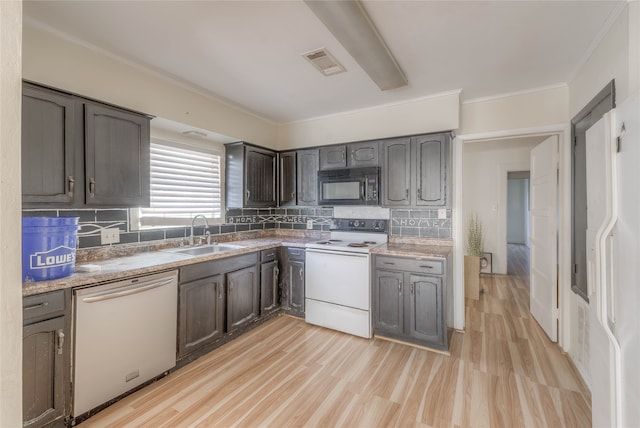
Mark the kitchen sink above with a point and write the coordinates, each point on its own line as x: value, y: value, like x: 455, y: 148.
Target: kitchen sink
x: 205, y: 249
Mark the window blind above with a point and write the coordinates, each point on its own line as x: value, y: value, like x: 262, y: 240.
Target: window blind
x: 185, y: 181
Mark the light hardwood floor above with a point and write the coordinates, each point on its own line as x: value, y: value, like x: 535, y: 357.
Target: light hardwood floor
x: 502, y: 372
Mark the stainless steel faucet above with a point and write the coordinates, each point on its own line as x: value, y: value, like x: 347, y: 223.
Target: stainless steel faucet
x: 206, y: 232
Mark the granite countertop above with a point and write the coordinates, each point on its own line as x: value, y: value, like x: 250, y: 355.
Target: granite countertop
x: 413, y: 250
x: 143, y: 263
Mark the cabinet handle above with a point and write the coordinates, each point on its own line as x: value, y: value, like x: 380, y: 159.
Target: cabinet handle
x: 426, y: 266
x: 276, y: 273
x: 400, y: 288
x: 412, y: 289
x: 92, y: 187
x: 72, y: 185
x: 353, y: 156
x: 301, y: 274
x: 271, y: 255
x: 406, y: 194
x: 60, y: 341
x: 293, y: 195
x: 38, y: 306
x: 248, y: 194
x: 419, y: 194
x: 388, y: 263
x: 219, y: 290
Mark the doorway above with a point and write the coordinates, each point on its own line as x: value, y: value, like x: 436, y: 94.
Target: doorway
x: 518, y: 226
x: 465, y: 201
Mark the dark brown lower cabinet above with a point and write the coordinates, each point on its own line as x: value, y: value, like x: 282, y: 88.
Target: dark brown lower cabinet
x: 201, y: 313
x: 292, y: 285
x: 45, y: 360
x: 269, y: 273
x: 411, y: 297
x: 242, y: 297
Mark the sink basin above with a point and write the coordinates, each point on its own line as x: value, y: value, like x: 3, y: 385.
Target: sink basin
x: 205, y: 249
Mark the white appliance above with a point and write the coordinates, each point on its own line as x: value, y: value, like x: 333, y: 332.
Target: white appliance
x: 125, y: 335
x: 613, y: 241
x: 337, y: 276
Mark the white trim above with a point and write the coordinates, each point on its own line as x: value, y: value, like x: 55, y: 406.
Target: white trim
x: 563, y: 130
x: 516, y: 93
x: 377, y: 107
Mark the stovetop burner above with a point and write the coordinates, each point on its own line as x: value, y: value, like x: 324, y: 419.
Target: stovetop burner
x: 355, y: 236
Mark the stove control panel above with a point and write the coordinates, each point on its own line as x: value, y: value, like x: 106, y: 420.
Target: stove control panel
x: 363, y: 225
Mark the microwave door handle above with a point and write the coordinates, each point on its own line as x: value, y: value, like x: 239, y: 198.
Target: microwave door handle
x: 363, y: 190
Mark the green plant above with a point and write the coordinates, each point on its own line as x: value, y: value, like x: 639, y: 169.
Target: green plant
x: 475, y: 237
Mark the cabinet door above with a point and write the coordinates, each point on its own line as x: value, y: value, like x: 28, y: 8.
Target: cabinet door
x: 296, y: 285
x: 388, y: 302
x: 48, y: 132
x: 242, y: 297
x: 260, y: 178
x: 308, y: 165
x: 425, y: 308
x: 363, y: 154
x: 42, y: 372
x: 287, y: 188
x: 269, y: 273
x: 431, y: 154
x: 396, y: 172
x: 333, y: 157
x: 116, y: 157
x: 201, y: 313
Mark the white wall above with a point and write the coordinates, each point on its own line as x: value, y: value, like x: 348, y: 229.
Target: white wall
x: 516, y: 111
x: 610, y: 60
x: 51, y: 60
x: 11, y: 260
x: 484, y: 187
x: 517, y: 213
x: 431, y: 114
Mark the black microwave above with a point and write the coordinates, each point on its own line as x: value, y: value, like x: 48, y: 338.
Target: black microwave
x: 350, y: 186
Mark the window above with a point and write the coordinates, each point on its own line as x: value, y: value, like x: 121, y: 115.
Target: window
x: 185, y: 180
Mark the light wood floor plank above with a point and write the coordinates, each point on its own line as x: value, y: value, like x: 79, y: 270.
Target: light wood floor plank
x: 502, y: 372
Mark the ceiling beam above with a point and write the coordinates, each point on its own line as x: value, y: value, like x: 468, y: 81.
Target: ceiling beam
x: 351, y: 26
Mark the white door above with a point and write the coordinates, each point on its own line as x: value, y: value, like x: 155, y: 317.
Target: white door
x: 544, y: 253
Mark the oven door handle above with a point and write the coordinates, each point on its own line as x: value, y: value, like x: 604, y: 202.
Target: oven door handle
x: 338, y: 253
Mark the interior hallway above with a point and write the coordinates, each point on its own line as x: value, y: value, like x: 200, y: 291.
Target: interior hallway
x: 502, y: 372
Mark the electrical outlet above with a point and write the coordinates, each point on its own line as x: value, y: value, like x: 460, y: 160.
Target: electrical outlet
x: 109, y: 236
x: 442, y: 213
x: 309, y: 224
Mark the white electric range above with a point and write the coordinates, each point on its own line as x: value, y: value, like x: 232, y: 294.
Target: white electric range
x: 338, y: 276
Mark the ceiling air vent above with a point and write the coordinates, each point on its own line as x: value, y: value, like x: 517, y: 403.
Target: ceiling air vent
x: 324, y: 62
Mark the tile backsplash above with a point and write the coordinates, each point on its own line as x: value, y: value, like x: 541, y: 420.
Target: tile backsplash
x: 420, y: 223
x: 423, y: 223
x: 237, y: 220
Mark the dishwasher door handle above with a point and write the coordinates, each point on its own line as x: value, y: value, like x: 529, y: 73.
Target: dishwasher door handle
x: 138, y: 288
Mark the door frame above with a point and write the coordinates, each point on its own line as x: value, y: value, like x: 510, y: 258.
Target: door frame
x: 563, y: 131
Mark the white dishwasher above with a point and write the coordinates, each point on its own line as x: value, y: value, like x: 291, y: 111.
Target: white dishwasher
x: 125, y: 334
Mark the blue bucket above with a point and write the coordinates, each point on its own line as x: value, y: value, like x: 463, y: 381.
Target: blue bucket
x: 48, y: 247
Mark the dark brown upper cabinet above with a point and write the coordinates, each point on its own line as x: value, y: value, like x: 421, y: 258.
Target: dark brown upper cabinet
x: 48, y: 147
x: 307, y: 182
x: 287, y: 183
x: 251, y: 176
x: 364, y: 153
x: 78, y: 152
x: 116, y: 157
x: 415, y: 171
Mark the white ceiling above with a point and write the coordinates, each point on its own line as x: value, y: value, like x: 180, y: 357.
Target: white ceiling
x: 248, y: 52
